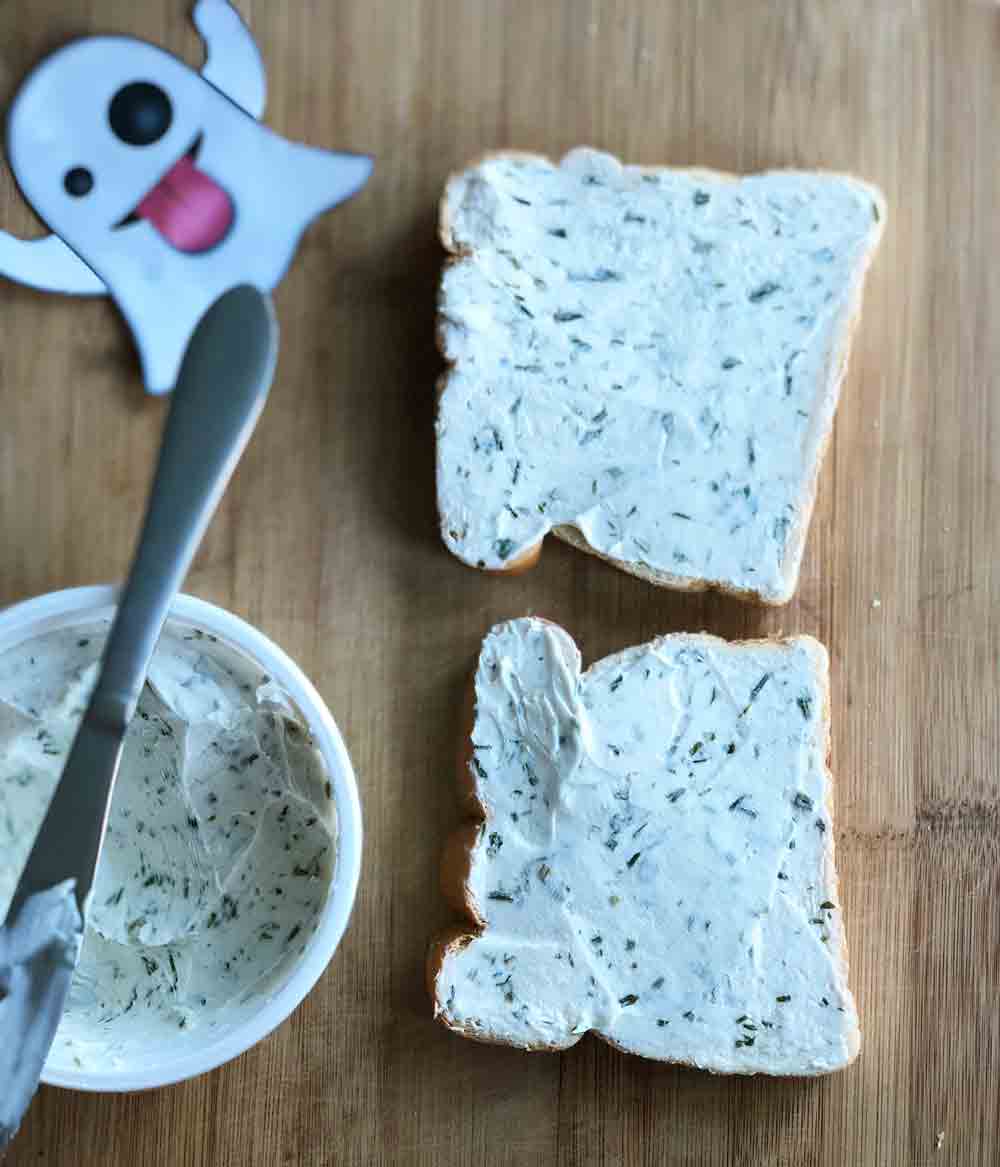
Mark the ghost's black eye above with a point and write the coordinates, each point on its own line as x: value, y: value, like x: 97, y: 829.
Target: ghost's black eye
x: 140, y: 114
x: 78, y: 182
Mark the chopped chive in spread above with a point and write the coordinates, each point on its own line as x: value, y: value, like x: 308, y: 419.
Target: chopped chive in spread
x: 739, y: 804
x: 768, y: 288
x: 755, y: 693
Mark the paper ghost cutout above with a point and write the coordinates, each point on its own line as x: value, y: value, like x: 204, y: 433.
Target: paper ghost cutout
x: 652, y: 858
x: 161, y: 187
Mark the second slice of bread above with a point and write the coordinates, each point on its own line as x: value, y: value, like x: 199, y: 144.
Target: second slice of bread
x: 651, y: 857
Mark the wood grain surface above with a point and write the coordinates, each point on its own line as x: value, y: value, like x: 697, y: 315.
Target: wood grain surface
x: 327, y: 540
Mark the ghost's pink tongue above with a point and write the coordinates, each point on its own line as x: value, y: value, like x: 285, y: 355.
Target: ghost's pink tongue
x: 189, y: 209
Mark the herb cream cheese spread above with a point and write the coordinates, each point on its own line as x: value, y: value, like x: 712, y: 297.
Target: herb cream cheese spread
x: 219, y: 852
x: 656, y: 860
x: 646, y: 362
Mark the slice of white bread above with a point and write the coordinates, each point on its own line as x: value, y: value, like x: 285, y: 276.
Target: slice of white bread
x: 645, y: 362
x: 652, y: 855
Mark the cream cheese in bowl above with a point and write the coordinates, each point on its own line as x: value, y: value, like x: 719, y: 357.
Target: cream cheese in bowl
x: 222, y: 843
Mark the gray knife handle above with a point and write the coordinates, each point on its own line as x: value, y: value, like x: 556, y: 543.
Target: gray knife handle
x: 220, y: 393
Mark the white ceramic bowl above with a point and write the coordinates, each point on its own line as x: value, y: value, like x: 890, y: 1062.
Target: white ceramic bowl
x: 210, y: 1049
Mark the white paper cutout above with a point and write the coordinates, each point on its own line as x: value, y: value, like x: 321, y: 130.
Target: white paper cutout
x: 160, y: 187
x: 233, y: 62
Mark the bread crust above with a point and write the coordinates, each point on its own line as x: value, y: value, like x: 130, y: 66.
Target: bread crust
x: 836, y: 371
x: 456, y: 867
x: 456, y: 861
x: 520, y: 564
x: 456, y: 864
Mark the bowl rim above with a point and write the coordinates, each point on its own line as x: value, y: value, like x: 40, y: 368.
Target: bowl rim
x: 36, y: 615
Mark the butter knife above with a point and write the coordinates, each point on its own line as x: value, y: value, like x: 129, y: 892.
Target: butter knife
x: 221, y: 390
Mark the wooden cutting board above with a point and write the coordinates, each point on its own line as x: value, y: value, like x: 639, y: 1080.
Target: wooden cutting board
x: 327, y: 540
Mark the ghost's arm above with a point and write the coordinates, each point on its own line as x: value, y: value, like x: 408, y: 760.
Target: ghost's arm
x: 233, y: 63
x: 49, y: 265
